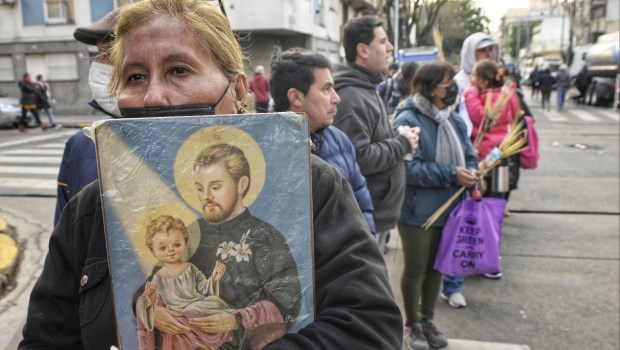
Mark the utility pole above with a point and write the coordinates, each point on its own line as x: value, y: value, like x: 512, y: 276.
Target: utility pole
x: 518, y: 43
x: 396, y: 26
x: 562, y: 33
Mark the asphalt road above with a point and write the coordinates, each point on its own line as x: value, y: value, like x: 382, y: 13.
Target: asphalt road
x: 560, y: 247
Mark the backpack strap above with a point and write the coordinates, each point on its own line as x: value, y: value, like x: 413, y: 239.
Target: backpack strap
x: 388, y: 91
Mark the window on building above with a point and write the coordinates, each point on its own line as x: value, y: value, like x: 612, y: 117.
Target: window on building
x: 55, y: 66
x: 6, y: 69
x: 319, y: 12
x: 58, y: 11
x: 61, y: 66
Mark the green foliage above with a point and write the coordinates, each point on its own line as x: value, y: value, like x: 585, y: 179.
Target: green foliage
x: 513, y: 32
x: 469, y: 20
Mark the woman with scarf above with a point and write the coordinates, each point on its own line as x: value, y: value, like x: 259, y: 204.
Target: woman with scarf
x: 444, y: 161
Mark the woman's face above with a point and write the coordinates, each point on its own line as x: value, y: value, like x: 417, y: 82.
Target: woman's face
x: 440, y: 91
x: 164, y: 65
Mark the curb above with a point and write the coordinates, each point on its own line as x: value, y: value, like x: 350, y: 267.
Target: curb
x: 9, y: 254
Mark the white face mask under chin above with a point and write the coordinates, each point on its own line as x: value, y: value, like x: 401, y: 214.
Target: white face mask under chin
x: 99, y: 77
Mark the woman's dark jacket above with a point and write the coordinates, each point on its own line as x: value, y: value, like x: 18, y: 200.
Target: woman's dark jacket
x: 334, y: 147
x: 355, y: 307
x: 429, y: 183
x: 29, y: 93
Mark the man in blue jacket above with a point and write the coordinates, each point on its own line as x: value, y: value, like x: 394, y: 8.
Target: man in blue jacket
x: 301, y: 82
x: 78, y: 167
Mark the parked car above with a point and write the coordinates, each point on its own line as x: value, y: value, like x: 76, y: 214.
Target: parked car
x: 10, y: 112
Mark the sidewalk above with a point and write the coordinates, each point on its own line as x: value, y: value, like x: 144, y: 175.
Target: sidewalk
x: 9, y: 254
x: 448, y: 318
x: 78, y: 121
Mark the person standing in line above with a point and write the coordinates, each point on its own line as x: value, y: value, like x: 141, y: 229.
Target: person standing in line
x: 397, y: 87
x: 28, y: 102
x: 444, y: 161
x: 44, y: 100
x: 487, y: 79
x: 70, y: 305
x: 78, y: 167
x: 259, y: 85
x: 477, y: 47
x: 562, y: 84
x: 301, y: 82
x: 392, y: 69
x: 546, y: 86
x: 363, y: 118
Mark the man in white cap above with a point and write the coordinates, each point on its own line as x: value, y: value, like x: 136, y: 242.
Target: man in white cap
x: 477, y: 47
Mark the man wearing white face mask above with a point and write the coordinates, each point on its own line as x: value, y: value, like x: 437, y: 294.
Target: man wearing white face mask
x: 79, y: 161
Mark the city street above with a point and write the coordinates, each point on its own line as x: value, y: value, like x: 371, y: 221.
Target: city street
x: 560, y: 246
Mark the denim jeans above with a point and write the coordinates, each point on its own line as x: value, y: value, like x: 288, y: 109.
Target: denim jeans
x: 50, y: 116
x: 451, y: 284
x: 561, y: 92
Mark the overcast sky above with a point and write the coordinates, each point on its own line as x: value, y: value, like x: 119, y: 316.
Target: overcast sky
x: 495, y: 9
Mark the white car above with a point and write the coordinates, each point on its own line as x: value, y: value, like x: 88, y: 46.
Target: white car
x: 10, y: 112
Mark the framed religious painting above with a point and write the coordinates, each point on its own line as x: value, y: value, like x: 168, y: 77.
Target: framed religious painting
x: 208, y: 224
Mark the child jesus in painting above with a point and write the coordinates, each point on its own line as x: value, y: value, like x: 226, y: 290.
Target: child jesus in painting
x: 179, y: 286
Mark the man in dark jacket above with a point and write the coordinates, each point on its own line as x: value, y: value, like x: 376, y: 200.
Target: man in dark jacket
x: 363, y: 117
x: 28, y: 102
x: 546, y: 86
x: 301, y: 82
x: 583, y: 82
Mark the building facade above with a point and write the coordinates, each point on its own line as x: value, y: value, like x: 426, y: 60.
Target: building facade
x: 36, y: 36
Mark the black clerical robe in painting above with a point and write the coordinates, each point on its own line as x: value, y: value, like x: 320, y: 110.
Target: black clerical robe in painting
x: 270, y: 272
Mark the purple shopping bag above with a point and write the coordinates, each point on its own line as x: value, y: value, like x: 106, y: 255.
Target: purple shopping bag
x: 470, y: 240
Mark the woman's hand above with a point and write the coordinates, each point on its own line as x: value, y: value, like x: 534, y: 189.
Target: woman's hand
x: 466, y: 177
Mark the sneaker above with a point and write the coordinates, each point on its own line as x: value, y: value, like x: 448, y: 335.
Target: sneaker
x: 414, y: 337
x: 507, y: 213
x: 434, y: 337
x: 494, y: 275
x: 456, y: 300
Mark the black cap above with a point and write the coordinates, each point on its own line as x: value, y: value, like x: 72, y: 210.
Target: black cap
x: 96, y: 31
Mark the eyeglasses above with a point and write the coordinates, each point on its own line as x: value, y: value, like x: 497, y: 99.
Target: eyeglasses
x: 445, y: 83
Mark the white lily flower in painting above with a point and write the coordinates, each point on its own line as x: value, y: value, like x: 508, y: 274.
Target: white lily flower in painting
x: 226, y: 249
x: 244, y: 252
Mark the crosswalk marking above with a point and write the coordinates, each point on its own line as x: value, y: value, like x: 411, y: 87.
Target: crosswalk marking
x: 52, y: 145
x: 587, y: 117
x: 580, y: 114
x: 30, y: 166
x: 608, y: 113
x: 6, y: 169
x: 27, y: 152
x: 37, y: 184
x: 30, y: 160
x: 554, y: 116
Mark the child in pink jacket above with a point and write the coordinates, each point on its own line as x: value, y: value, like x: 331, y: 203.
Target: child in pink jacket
x: 486, y: 79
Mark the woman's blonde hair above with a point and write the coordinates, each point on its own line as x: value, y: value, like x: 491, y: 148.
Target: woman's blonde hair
x: 201, y: 19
